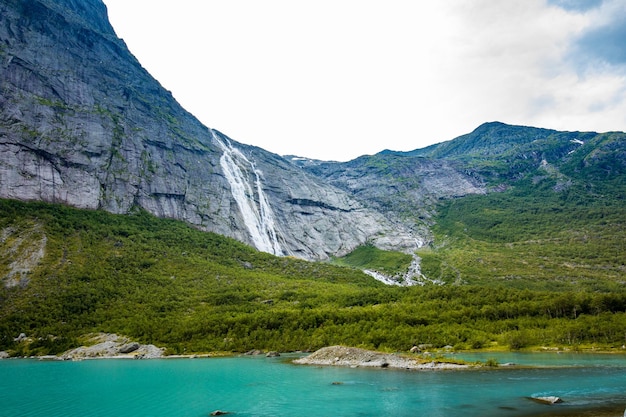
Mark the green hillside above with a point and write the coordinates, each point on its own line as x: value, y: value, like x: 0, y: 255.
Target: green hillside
x: 160, y: 281
x: 540, y: 240
x: 559, y: 217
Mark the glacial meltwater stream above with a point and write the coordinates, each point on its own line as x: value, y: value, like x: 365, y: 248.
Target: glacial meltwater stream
x: 590, y: 385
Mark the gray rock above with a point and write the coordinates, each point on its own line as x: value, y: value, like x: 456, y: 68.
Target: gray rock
x: 149, y: 352
x: 20, y: 338
x: 4, y: 355
x: 112, y: 346
x: 549, y: 400
x: 82, y: 123
x: 272, y: 354
x: 399, y: 186
x: 355, y: 357
x: 129, y: 347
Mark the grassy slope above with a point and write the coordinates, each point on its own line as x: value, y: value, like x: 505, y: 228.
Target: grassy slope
x: 370, y: 257
x: 162, y: 282
x: 533, y: 236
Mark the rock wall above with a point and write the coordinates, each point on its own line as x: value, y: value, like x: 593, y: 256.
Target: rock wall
x: 83, y: 124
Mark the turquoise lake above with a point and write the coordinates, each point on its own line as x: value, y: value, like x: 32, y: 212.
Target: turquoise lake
x: 259, y: 386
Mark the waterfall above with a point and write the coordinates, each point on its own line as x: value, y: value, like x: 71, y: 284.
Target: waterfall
x: 247, y: 190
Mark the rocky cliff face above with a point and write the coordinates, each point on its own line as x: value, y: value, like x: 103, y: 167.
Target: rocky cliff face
x: 403, y: 187
x: 82, y: 123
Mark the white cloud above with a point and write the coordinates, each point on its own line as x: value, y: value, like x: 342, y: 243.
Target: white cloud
x: 337, y: 79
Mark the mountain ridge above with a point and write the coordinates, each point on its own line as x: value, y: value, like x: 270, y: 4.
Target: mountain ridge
x: 83, y: 123
x: 493, y: 158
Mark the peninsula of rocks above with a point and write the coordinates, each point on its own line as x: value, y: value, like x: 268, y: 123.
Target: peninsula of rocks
x: 355, y: 357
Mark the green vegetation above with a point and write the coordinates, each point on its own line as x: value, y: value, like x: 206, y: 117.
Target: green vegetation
x: 160, y: 281
x: 370, y: 257
x: 541, y: 240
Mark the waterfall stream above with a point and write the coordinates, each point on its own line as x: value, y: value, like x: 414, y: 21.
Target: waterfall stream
x: 247, y: 190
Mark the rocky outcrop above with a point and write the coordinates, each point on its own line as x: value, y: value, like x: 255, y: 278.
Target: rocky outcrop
x: 83, y: 124
x: 113, y: 346
x: 23, y: 247
x: 404, y: 187
x: 355, y: 357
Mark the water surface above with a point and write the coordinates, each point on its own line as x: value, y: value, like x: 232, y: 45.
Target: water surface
x: 258, y: 386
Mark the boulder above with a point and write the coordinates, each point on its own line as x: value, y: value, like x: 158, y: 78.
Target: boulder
x: 272, y: 354
x: 3, y: 355
x: 129, y: 347
x: 549, y: 400
x: 20, y: 338
x: 149, y: 352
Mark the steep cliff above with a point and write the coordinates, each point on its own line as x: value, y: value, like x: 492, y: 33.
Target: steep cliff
x: 82, y: 123
x: 404, y: 187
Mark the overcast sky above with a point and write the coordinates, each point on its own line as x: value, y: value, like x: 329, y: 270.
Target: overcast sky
x: 336, y: 79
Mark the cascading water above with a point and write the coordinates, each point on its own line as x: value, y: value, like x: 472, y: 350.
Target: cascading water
x: 254, y: 207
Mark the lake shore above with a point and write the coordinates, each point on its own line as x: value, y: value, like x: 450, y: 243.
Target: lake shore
x: 386, y: 363
x: 362, y: 358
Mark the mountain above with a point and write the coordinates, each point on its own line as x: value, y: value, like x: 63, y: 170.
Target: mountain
x: 519, y: 231
x: 82, y: 123
x: 495, y: 157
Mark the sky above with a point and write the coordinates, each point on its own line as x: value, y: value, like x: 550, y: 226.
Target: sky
x: 336, y: 79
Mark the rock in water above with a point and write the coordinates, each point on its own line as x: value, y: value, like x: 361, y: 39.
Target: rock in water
x: 547, y: 400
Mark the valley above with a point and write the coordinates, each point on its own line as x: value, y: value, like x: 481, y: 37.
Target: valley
x: 121, y: 213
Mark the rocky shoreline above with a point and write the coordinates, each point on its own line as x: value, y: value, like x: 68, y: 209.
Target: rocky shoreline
x: 355, y: 357
x: 105, y: 346
x: 113, y: 346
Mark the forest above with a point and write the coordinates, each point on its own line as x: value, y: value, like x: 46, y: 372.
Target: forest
x: 554, y: 280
